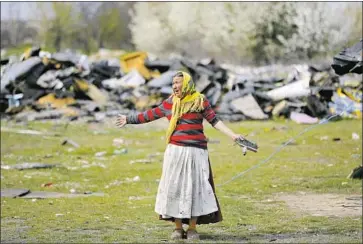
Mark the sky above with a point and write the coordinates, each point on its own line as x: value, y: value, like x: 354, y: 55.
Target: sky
x: 26, y: 10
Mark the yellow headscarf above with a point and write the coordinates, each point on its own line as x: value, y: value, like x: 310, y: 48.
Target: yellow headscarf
x: 191, y: 101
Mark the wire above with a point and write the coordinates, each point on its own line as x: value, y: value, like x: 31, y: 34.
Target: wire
x: 323, y: 121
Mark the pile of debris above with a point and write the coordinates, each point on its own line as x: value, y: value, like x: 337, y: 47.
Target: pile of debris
x: 42, y: 85
x: 347, y: 61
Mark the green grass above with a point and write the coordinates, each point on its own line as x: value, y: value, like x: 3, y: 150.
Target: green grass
x: 312, y: 166
x: 20, y: 49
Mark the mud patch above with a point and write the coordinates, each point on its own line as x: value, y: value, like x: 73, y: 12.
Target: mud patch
x: 324, y: 204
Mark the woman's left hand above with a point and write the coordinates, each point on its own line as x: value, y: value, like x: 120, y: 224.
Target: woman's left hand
x: 121, y: 120
x: 236, y: 136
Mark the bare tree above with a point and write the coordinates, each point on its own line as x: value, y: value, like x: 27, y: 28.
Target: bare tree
x: 108, y: 19
x: 58, y: 25
x: 86, y: 36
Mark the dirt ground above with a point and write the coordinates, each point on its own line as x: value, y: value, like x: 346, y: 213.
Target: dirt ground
x: 324, y: 204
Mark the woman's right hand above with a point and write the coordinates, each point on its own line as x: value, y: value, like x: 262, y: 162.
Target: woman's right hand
x: 121, y: 120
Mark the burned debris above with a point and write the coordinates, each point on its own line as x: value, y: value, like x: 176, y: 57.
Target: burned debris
x: 42, y: 85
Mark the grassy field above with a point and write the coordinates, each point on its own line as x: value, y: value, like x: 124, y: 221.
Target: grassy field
x: 19, y: 50
x: 257, y: 207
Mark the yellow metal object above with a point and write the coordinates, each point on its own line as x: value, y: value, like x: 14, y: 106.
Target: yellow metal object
x: 96, y: 95
x: 355, y: 95
x: 27, y: 54
x: 358, y: 114
x: 141, y: 103
x: 56, y: 102
x: 91, y: 91
x: 350, y: 94
x: 82, y: 85
x: 146, y: 102
x: 136, y: 60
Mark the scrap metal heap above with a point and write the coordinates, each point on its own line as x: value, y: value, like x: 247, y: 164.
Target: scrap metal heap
x: 44, y: 85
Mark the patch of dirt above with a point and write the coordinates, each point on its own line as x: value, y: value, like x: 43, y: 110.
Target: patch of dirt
x: 14, y: 230
x: 324, y: 204
x: 284, y: 238
x: 350, y: 237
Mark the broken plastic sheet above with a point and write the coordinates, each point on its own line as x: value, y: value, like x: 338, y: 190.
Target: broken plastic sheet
x: 349, y: 60
x: 345, y: 106
x: 302, y: 118
x: 112, y: 83
x: 350, y: 80
x: 203, y: 70
x: 164, y: 65
x: 18, y: 70
x: 66, y: 57
x: 225, y: 106
x: 213, y: 93
x: 249, y: 107
x: 133, y: 79
x: 202, y: 83
x: 234, y: 79
x: 231, y: 95
x: 51, y: 78
x: 293, y: 90
x: 166, y: 79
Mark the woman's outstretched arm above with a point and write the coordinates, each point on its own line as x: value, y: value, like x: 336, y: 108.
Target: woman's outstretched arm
x: 144, y: 117
x: 227, y: 131
x: 211, y: 117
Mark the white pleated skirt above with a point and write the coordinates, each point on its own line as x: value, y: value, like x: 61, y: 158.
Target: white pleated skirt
x: 184, y: 190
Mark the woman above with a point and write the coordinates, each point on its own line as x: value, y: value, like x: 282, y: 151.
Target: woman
x: 186, y: 191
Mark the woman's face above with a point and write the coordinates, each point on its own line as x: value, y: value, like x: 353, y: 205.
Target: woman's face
x: 177, y: 86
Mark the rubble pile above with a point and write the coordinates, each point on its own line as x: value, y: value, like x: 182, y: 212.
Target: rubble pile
x: 44, y: 85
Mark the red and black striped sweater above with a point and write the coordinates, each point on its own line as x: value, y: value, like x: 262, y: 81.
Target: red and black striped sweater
x: 189, y: 129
